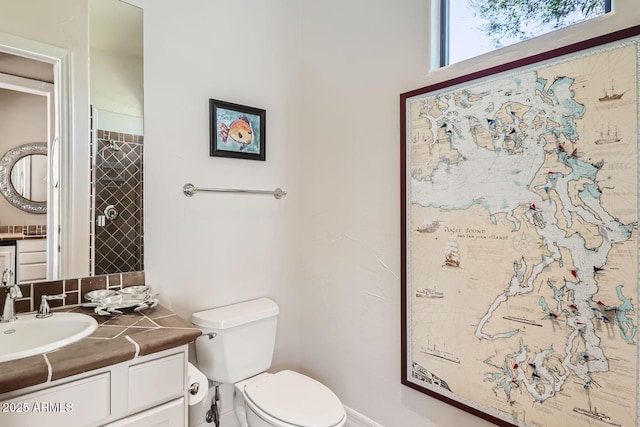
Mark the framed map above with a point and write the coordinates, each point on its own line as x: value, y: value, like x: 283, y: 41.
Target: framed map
x: 520, y: 237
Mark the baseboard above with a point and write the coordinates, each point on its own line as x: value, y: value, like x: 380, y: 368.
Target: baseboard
x: 356, y: 419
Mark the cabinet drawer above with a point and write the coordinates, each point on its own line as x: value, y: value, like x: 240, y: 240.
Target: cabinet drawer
x: 76, y: 403
x: 32, y: 272
x: 155, y: 382
x: 170, y: 414
x: 32, y: 245
x: 33, y: 258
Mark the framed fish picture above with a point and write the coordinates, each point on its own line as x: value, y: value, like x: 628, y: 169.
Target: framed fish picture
x: 237, y: 131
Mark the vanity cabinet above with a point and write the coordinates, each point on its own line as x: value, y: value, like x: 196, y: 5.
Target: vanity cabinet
x: 31, y: 260
x: 146, y: 391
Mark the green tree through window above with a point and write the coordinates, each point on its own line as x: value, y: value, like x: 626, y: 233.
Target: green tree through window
x: 503, y: 22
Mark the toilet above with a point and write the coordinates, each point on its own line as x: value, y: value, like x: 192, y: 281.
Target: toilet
x: 236, y: 347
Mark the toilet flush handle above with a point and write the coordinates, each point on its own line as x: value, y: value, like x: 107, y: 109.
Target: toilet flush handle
x: 193, y: 389
x: 211, y: 335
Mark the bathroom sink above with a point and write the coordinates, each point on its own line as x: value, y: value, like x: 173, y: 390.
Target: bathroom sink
x: 29, y: 335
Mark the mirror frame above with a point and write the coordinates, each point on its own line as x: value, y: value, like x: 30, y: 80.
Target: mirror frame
x: 6, y: 188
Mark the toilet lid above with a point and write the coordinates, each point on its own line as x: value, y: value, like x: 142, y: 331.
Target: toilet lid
x: 296, y: 399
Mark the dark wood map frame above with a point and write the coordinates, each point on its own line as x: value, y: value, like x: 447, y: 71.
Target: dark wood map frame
x: 405, y: 145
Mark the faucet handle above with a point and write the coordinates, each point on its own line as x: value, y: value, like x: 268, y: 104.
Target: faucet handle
x: 45, y: 311
x: 6, y: 276
x: 14, y: 291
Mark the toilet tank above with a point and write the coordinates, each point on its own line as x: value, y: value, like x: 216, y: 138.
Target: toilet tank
x: 237, y: 341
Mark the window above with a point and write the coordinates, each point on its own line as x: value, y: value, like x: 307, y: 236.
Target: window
x: 473, y: 27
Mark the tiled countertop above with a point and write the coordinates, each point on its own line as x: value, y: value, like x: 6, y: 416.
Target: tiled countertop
x: 21, y: 236
x: 118, y: 338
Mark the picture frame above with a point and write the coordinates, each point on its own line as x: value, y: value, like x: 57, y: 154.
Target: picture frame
x: 237, y: 131
x: 519, y: 245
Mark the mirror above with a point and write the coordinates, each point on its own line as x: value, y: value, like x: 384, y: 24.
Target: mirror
x: 29, y: 177
x: 117, y: 136
x: 96, y: 56
x: 23, y: 177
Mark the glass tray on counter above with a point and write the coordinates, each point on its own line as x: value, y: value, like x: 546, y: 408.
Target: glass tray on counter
x: 106, y: 302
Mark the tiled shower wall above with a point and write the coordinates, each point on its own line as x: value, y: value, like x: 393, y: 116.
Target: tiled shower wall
x: 117, y: 180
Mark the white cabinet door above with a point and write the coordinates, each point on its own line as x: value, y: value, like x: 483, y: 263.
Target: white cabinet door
x: 8, y: 260
x: 171, y: 414
x: 154, y: 382
x: 77, y: 403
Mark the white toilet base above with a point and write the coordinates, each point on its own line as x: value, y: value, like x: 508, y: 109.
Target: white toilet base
x: 247, y: 413
x: 255, y: 421
x: 244, y: 412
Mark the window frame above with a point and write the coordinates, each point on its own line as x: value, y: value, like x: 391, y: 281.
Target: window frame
x: 444, y: 26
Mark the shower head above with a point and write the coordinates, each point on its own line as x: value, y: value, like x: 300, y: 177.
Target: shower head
x: 110, y: 145
x: 113, y: 145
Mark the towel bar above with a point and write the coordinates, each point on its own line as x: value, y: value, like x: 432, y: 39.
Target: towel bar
x: 190, y: 189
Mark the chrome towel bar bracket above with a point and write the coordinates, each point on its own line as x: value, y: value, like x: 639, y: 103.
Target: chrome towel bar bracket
x: 190, y: 189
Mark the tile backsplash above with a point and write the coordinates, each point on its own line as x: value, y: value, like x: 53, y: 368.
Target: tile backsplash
x: 24, y: 229
x: 73, y: 288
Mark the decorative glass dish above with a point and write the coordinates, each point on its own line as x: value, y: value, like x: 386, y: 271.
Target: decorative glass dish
x: 134, y: 290
x: 106, y: 302
x: 99, y: 294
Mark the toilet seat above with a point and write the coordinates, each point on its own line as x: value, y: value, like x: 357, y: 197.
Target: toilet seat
x: 294, y: 399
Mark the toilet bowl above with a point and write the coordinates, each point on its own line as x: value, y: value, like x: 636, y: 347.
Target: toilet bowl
x: 288, y: 399
x: 236, y: 347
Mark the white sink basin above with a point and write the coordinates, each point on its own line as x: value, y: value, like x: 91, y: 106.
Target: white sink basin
x: 28, y: 335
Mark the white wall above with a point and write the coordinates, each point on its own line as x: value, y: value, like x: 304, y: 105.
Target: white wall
x: 116, y: 83
x: 216, y: 249
x: 329, y: 75
x: 116, y: 73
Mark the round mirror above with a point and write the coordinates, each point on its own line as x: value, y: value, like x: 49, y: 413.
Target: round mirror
x: 23, y: 177
x: 29, y: 177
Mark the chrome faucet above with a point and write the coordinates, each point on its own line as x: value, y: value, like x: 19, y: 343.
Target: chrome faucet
x: 13, y: 292
x: 45, y: 311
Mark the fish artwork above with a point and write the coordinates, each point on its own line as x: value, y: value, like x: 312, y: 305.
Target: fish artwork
x: 240, y: 131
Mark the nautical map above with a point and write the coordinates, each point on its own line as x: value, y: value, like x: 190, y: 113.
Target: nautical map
x: 522, y: 195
